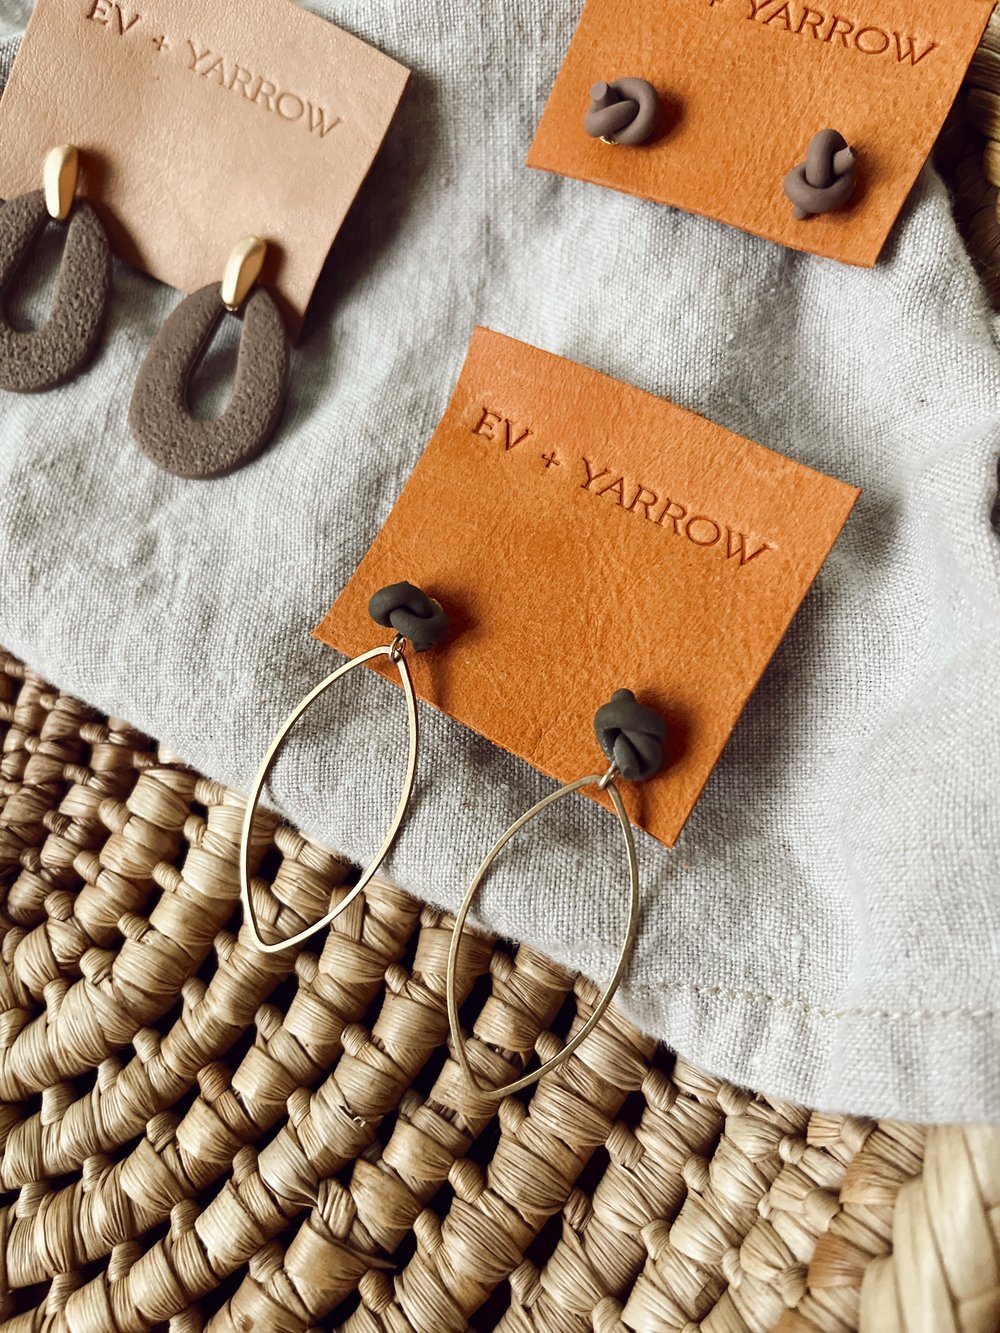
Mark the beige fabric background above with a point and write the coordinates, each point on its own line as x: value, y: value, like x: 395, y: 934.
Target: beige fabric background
x: 828, y: 927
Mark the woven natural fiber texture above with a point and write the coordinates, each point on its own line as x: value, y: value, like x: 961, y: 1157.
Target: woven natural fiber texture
x: 828, y: 926
x: 196, y: 1135
x: 974, y: 169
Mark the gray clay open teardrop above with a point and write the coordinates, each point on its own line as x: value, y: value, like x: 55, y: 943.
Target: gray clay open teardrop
x: 35, y: 359
x: 159, y: 415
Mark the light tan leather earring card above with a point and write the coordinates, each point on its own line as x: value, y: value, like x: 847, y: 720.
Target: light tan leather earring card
x: 583, y: 535
x: 746, y: 84
x: 200, y: 122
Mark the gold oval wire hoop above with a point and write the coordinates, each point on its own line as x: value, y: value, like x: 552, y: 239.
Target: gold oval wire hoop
x: 394, y: 652
x: 606, y: 783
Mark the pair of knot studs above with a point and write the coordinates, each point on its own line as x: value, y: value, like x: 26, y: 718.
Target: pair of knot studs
x: 627, y: 112
x: 631, y: 734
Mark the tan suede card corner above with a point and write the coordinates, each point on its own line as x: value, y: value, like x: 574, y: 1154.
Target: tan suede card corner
x: 584, y: 535
x: 745, y: 84
x: 201, y: 122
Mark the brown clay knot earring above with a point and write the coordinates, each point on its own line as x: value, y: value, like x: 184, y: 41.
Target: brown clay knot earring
x: 36, y: 359
x: 159, y: 415
x: 631, y: 736
x: 825, y: 180
x: 624, y: 111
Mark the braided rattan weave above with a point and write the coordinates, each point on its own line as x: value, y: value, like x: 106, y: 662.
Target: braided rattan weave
x: 969, y: 153
x: 197, y: 1135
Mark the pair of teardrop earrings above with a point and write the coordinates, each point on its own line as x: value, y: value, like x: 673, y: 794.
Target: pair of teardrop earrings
x: 161, y: 421
x: 630, y: 734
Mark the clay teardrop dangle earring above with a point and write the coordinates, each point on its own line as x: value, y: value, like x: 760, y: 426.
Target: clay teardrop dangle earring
x: 37, y: 359
x: 160, y: 417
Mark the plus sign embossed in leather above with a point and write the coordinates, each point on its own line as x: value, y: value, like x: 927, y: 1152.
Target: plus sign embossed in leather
x: 745, y: 85
x: 200, y: 122
x: 584, y: 536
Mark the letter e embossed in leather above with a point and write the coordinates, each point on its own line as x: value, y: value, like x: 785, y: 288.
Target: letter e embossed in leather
x: 201, y: 121
x: 586, y: 536
x: 745, y: 84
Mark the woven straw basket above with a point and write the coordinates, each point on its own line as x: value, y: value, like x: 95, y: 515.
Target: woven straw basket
x: 196, y: 1135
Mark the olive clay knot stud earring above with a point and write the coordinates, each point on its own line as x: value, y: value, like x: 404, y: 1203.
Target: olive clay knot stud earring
x: 631, y: 735
x: 411, y: 613
x: 825, y: 180
x: 622, y: 112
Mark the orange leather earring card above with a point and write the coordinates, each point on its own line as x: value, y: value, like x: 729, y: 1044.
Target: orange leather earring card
x: 745, y: 84
x: 583, y: 535
x: 200, y: 122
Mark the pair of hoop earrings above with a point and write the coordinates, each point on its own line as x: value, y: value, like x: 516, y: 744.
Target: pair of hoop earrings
x: 159, y: 415
x: 630, y: 734
x: 627, y: 112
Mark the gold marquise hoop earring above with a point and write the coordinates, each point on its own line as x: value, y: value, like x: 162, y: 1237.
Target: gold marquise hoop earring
x: 159, y: 414
x: 631, y: 736
x: 419, y: 622
x: 32, y: 360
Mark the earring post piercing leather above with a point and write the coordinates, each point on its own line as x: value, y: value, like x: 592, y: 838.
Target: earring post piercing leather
x: 415, y: 618
x: 631, y: 735
x: 243, y: 267
x: 59, y: 177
